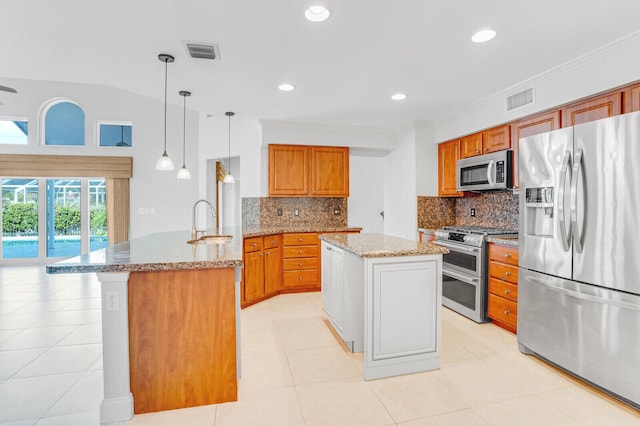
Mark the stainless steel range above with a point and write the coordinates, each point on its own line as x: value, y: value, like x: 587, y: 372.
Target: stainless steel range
x: 464, y: 268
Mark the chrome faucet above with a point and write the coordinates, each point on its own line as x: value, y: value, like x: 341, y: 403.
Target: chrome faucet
x: 194, y: 230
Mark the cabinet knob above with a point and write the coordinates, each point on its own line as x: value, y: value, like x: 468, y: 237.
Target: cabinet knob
x: 268, y: 253
x: 273, y: 242
x: 507, y: 291
x: 254, y: 244
x: 300, y: 239
x: 486, y: 149
x: 506, y: 312
x: 477, y: 151
x: 507, y: 273
x: 299, y: 251
x: 507, y: 255
x: 299, y: 264
x: 261, y: 255
x: 299, y: 278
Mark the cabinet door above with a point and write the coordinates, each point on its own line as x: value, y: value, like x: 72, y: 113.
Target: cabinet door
x: 272, y: 270
x: 329, y: 171
x: 288, y: 170
x: 471, y: 145
x: 496, y: 139
x: 528, y: 127
x: 253, y: 276
x: 592, y: 109
x: 632, y: 99
x: 448, y: 155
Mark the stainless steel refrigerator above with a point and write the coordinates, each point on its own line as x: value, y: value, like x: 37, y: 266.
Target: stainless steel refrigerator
x: 579, y: 254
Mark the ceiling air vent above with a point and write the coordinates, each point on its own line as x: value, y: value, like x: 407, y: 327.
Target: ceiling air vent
x: 520, y: 99
x: 202, y: 50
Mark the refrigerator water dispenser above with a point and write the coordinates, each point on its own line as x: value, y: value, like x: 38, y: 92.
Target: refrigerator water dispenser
x: 539, y: 212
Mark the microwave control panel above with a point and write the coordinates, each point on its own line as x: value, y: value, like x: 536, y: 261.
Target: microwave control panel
x: 500, y: 171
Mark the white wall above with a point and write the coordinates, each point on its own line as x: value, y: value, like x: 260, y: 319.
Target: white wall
x: 426, y: 159
x: 400, y: 201
x: 614, y: 65
x: 366, y: 189
x: 170, y: 198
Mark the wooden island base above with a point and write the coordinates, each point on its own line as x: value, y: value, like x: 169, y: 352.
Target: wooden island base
x: 182, y: 338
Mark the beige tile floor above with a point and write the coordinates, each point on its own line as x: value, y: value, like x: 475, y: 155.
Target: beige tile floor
x: 294, y: 370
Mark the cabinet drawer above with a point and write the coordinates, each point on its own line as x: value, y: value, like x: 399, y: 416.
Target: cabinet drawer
x: 504, y: 272
x: 503, y: 289
x: 300, y: 251
x: 252, y: 244
x: 271, y: 241
x: 300, y: 239
x: 299, y: 278
x: 505, y: 254
x: 503, y: 310
x: 302, y: 263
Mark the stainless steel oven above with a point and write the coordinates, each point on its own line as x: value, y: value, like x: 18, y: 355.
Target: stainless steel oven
x: 464, y: 269
x: 463, y: 288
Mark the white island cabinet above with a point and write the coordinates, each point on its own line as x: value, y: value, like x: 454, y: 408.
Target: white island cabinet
x: 383, y: 296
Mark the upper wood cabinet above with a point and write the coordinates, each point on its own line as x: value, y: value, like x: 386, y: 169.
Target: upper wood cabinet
x: 632, y: 99
x: 496, y: 139
x: 448, y: 156
x: 592, y: 109
x: 540, y: 123
x: 308, y: 171
x: 329, y: 171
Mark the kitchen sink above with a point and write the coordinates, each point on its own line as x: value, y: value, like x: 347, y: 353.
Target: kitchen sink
x: 211, y: 239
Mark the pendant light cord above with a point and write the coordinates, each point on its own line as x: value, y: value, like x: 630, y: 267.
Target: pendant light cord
x: 166, y: 61
x: 229, y: 151
x: 184, y: 128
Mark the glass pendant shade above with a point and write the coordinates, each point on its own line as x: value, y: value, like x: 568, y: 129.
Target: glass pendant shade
x: 164, y: 162
x: 183, y: 173
x: 228, y: 178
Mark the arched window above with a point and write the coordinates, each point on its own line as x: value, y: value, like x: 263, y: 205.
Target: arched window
x: 61, y: 123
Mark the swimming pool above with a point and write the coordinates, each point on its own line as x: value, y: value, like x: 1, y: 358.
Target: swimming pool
x: 27, y: 247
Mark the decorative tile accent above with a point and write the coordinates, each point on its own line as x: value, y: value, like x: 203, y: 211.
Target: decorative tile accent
x: 497, y: 209
x: 317, y: 212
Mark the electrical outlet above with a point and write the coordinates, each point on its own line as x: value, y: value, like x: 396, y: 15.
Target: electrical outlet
x: 113, y: 302
x: 279, y: 212
x: 473, y: 212
x: 296, y: 212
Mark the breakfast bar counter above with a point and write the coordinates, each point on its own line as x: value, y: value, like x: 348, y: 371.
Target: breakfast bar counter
x: 170, y: 315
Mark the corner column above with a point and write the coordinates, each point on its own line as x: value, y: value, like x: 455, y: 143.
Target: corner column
x: 117, y: 405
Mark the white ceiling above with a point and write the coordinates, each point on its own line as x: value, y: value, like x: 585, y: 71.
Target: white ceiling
x: 345, y: 69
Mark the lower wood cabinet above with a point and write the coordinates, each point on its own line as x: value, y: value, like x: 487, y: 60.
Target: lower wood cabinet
x: 503, y: 286
x: 262, y: 268
x: 301, y: 261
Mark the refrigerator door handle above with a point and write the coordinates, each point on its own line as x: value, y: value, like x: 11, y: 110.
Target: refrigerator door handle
x: 577, y: 169
x: 490, y: 172
x: 565, y: 232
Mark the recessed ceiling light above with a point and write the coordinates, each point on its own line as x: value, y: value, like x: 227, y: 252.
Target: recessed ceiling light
x: 317, y: 13
x: 399, y: 97
x: 286, y: 87
x: 482, y: 36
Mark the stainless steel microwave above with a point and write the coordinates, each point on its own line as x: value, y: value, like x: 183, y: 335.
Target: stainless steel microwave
x: 485, y: 172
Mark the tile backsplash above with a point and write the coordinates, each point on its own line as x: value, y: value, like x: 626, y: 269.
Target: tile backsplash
x: 263, y: 212
x: 496, y: 209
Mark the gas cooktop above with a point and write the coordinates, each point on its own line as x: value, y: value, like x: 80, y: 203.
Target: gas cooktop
x: 471, y: 235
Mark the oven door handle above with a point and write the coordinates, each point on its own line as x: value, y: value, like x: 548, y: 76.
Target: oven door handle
x: 457, y: 247
x: 460, y: 277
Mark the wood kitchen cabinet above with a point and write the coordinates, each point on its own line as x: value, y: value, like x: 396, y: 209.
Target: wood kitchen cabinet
x: 631, y: 99
x: 503, y: 286
x: 427, y: 237
x: 540, y: 123
x: 448, y: 156
x: 262, y: 268
x: 308, y: 171
x: 492, y: 140
x: 300, y: 261
x: 592, y: 109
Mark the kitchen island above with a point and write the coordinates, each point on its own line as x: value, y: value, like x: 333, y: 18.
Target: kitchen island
x: 383, y: 297
x: 170, y: 321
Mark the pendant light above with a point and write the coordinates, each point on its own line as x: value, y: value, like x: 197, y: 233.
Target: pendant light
x: 229, y: 177
x: 164, y: 162
x: 183, y: 173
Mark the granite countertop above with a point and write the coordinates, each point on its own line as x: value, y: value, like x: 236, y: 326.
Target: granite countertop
x: 507, y: 241
x: 379, y: 245
x: 163, y: 251
x: 269, y: 230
